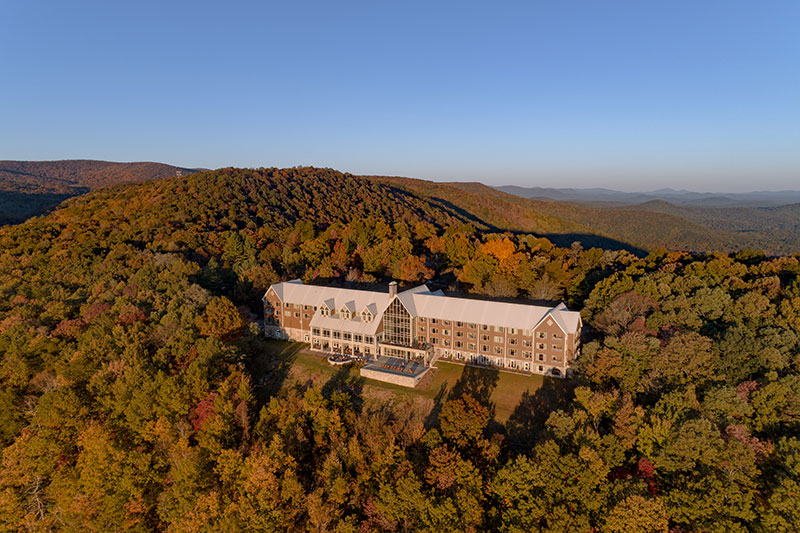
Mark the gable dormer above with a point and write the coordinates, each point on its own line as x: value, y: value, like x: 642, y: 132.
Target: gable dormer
x: 326, y: 307
x: 347, y: 310
x: 369, y: 313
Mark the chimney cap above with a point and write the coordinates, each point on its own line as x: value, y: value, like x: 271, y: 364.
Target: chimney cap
x: 392, y: 289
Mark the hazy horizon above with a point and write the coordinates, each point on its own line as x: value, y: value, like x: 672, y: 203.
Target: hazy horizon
x: 602, y: 183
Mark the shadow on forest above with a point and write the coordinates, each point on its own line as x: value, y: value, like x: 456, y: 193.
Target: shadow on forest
x: 476, y: 382
x: 438, y: 401
x: 16, y: 207
x: 346, y: 385
x: 527, y: 422
x: 562, y: 240
x: 268, y: 363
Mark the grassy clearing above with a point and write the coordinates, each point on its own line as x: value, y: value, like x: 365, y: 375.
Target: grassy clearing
x: 505, y: 390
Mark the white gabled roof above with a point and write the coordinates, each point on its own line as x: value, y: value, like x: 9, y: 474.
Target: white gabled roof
x: 569, y: 321
x: 509, y: 315
x: 335, y: 298
x: 420, y: 301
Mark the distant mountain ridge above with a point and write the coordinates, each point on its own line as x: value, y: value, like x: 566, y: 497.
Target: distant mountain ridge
x: 705, y: 225
x: 637, y: 222
x: 30, y: 188
x: 679, y: 197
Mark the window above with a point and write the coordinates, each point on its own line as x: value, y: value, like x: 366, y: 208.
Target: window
x: 422, y: 329
x: 433, y: 321
x: 541, y: 346
x: 366, y: 316
x: 471, y: 345
x: 345, y: 313
x: 512, y: 352
x: 484, y: 348
x: 527, y: 332
x: 434, y: 341
x: 473, y: 326
x: 324, y: 311
x: 471, y: 335
x: 306, y: 307
x: 540, y: 356
x: 358, y: 338
x: 459, y: 344
x: 512, y: 341
x: 446, y: 322
x: 445, y: 332
x: 459, y: 333
x: 421, y: 339
x: 498, y: 340
x: 526, y: 355
x: 297, y: 314
x: 498, y: 350
x: 512, y: 331
x: 484, y: 327
x: 541, y: 368
x: 397, y: 324
x: 347, y: 336
x: 337, y: 334
x: 557, y: 347
x: 287, y: 304
x: 277, y: 312
x: 326, y: 333
x: 459, y: 324
x: 315, y: 331
x: 446, y: 342
x: 485, y: 338
x: 542, y: 335
x: 368, y: 339
x: 305, y: 315
x: 434, y: 331
x: 556, y: 358
x: 526, y: 342
x: 498, y: 329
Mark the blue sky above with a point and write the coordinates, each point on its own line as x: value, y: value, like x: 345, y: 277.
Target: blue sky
x: 633, y: 95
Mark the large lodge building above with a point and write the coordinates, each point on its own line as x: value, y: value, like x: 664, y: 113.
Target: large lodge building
x: 423, y: 325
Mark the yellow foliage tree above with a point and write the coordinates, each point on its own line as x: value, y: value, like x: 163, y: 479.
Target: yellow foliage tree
x: 220, y: 319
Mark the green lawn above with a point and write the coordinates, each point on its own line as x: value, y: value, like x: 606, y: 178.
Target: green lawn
x: 504, y: 389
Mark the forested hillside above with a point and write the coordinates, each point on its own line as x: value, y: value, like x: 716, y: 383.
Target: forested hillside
x: 130, y: 398
x: 567, y: 222
x: 29, y: 188
x: 775, y: 228
x: 702, y: 222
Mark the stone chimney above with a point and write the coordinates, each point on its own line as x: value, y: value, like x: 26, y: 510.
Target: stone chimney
x: 392, y: 289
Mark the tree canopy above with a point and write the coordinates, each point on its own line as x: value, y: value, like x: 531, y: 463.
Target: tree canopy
x: 135, y: 395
